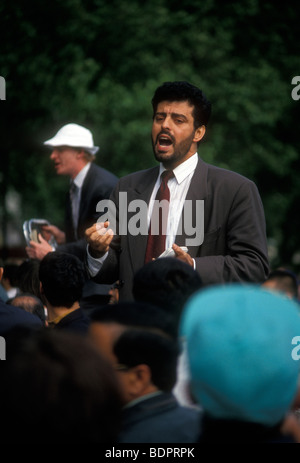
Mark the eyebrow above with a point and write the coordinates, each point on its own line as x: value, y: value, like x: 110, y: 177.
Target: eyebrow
x: 172, y: 115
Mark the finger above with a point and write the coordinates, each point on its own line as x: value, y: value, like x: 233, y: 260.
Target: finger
x: 102, y: 225
x: 95, y: 227
x: 99, y: 239
x: 102, y: 231
x: 49, y: 228
x: 182, y: 255
x: 41, y: 239
x: 30, y: 252
x: 178, y: 251
x: 99, y: 234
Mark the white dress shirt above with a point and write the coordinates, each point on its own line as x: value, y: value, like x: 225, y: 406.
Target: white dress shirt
x: 178, y: 186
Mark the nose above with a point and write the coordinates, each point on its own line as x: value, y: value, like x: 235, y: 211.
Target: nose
x: 165, y: 124
x: 53, y: 155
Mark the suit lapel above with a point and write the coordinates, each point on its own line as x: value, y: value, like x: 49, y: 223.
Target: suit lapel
x: 196, y: 191
x: 198, y: 186
x: 143, y: 189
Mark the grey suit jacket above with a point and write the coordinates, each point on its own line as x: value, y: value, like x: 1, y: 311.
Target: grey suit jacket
x: 234, y: 247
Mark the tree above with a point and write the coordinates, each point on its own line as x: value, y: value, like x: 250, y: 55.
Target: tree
x: 98, y: 63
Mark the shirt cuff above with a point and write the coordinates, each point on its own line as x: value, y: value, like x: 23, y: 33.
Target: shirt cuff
x: 94, y: 264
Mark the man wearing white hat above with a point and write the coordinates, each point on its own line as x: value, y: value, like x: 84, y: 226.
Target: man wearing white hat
x: 73, y: 153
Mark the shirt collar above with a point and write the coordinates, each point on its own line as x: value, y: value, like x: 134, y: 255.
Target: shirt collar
x: 184, y: 169
x: 142, y: 398
x: 79, y: 179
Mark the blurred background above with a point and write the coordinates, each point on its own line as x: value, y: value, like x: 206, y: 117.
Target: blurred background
x: 98, y: 62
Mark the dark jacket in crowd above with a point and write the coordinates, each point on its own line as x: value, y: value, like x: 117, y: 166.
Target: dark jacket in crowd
x: 76, y: 321
x: 12, y: 317
x: 160, y: 419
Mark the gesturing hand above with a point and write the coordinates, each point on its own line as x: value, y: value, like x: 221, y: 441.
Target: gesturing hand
x: 182, y: 255
x: 99, y: 237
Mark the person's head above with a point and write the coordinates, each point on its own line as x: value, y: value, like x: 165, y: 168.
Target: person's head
x: 10, y: 272
x: 180, y: 115
x: 72, y: 148
x: 284, y: 281
x: 166, y: 283
x: 137, y: 340
x: 239, y: 343
x: 146, y: 362
x: 28, y: 277
x: 29, y: 303
x: 62, y: 278
x: 57, y: 387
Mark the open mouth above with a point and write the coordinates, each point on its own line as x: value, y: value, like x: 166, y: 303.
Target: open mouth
x: 164, y: 141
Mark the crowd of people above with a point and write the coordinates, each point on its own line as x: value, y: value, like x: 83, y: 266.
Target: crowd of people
x: 108, y: 342
x: 181, y: 363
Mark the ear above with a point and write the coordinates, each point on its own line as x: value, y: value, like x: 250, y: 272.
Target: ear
x: 140, y: 379
x: 199, y: 133
x: 80, y: 154
x: 1, y: 272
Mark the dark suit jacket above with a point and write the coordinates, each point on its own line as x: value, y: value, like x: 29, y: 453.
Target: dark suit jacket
x: 76, y: 321
x: 98, y: 184
x: 160, y: 419
x: 12, y: 317
x: 234, y: 247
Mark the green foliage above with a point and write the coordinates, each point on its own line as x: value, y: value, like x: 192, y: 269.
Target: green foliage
x: 98, y: 63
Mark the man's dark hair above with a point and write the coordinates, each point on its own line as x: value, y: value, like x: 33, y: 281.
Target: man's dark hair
x: 62, y: 276
x: 166, y: 283
x: 10, y: 271
x: 57, y: 384
x: 28, y: 277
x: 148, y: 339
x: 143, y: 346
x: 135, y: 314
x: 184, y: 91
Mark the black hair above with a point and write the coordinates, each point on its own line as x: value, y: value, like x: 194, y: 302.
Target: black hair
x: 141, y: 346
x: 57, y: 384
x: 62, y: 276
x: 184, y: 91
x: 166, y: 283
x: 10, y: 271
x: 28, y: 277
x: 135, y: 314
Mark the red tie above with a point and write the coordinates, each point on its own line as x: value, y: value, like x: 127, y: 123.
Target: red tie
x: 158, y: 225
